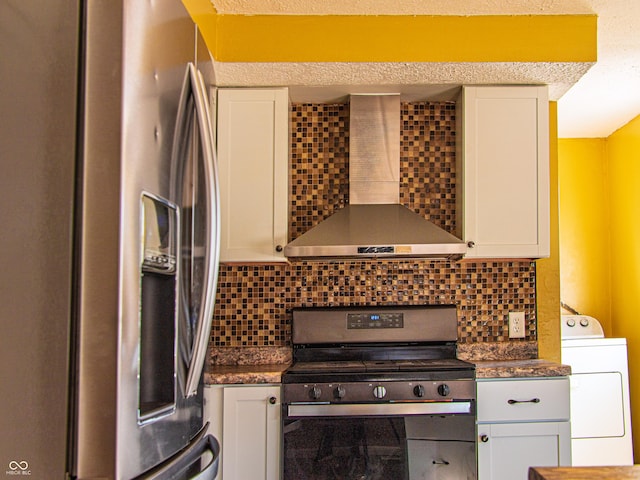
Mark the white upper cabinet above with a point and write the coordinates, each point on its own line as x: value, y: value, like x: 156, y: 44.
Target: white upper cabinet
x: 252, y: 141
x: 504, y: 151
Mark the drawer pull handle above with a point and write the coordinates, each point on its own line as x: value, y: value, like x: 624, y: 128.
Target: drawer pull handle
x: 440, y: 462
x: 533, y: 400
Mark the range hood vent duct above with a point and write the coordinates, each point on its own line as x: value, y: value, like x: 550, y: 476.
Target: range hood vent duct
x: 374, y: 224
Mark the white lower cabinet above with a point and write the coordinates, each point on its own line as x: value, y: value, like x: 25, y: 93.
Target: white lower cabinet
x: 507, y: 450
x: 522, y: 423
x: 246, y: 421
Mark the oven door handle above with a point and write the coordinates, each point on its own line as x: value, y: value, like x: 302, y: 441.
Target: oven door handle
x: 376, y: 409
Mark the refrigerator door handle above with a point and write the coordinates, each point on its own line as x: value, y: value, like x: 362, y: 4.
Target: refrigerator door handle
x: 203, y: 325
x: 201, y: 445
x: 210, y: 471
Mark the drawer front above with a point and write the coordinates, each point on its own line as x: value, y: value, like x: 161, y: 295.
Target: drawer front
x: 517, y: 400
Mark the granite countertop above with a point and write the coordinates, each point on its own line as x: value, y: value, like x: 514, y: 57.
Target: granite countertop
x: 254, y: 365
x: 230, y: 374
x: 585, y: 473
x: 251, y: 365
x: 520, y: 368
x: 509, y: 360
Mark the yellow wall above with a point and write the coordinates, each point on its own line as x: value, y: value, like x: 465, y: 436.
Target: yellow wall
x: 623, y: 159
x: 584, y: 228
x: 395, y: 38
x: 599, y: 183
x: 404, y: 38
x: 548, y: 269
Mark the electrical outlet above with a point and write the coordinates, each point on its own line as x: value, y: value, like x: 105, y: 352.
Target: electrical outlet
x: 516, y: 325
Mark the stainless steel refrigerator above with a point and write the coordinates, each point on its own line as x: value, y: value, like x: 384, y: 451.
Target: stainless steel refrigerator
x: 109, y: 243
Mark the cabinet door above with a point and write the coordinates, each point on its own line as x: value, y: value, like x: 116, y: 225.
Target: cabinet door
x: 251, y: 433
x: 505, y: 161
x: 252, y: 136
x: 506, y: 451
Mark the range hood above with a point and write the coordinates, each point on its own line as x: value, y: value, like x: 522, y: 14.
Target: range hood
x: 375, y: 224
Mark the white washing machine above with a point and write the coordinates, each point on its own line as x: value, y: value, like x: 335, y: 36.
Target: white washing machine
x: 600, y: 411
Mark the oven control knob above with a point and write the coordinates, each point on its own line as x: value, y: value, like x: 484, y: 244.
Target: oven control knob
x: 418, y: 391
x: 444, y: 390
x: 379, y: 391
x: 339, y: 392
x: 315, y: 392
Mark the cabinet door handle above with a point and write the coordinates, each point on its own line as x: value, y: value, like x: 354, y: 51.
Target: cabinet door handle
x: 279, y: 248
x: 273, y: 400
x: 533, y: 400
x: 484, y: 438
x: 471, y: 244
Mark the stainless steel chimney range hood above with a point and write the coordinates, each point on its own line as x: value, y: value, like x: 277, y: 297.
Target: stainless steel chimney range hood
x: 375, y: 224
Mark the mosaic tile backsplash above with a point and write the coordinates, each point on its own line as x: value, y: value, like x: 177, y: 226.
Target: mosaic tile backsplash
x: 254, y: 301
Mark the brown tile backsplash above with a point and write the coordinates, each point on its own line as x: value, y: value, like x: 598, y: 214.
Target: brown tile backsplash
x: 254, y: 301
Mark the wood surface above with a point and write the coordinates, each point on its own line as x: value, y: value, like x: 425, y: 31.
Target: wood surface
x: 585, y: 473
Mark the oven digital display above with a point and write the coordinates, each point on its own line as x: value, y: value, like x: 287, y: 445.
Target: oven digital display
x: 361, y: 321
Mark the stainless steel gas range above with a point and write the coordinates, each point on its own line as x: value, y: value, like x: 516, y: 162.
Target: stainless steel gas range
x: 378, y: 393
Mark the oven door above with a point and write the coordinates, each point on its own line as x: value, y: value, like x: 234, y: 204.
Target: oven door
x: 379, y: 441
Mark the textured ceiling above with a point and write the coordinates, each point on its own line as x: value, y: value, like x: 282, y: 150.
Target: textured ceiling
x: 593, y: 102
x: 405, y: 7
x: 608, y: 95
